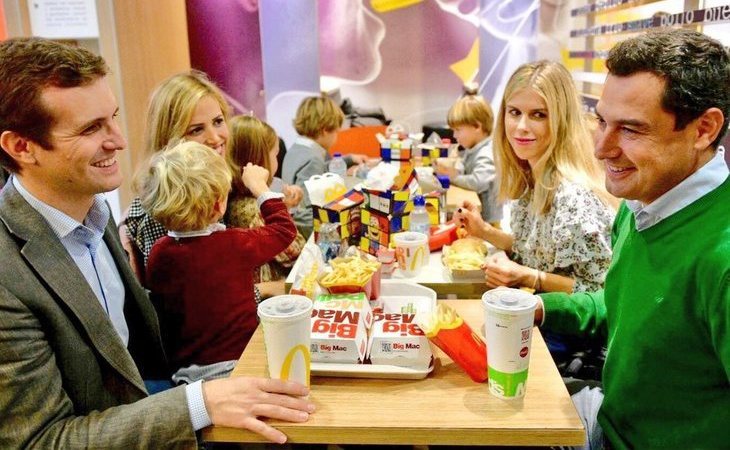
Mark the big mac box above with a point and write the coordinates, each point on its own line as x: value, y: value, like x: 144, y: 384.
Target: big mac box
x: 395, y: 338
x: 339, y: 328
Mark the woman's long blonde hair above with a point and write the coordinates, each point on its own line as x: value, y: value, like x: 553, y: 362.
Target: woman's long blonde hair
x: 569, y: 155
x: 172, y: 105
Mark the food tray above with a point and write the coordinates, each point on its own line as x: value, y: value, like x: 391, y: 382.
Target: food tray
x: 370, y: 371
x: 390, y: 289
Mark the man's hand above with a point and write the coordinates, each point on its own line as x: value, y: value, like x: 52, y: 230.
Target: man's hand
x: 292, y: 195
x: 256, y: 179
x: 240, y: 401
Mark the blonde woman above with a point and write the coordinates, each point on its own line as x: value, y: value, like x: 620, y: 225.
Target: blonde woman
x: 561, y: 215
x: 254, y: 141
x: 201, y: 274
x: 185, y: 106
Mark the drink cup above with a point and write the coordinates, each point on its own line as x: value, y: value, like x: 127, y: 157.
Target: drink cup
x: 286, y: 320
x: 508, y: 321
x: 411, y: 252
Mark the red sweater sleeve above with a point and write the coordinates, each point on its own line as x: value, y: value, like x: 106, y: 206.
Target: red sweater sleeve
x: 263, y: 243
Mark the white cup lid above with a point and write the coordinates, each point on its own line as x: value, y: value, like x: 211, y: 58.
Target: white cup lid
x: 285, y: 307
x: 409, y: 238
x: 508, y: 299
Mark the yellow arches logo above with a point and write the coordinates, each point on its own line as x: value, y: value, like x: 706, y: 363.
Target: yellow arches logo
x: 289, y: 360
x: 418, y: 258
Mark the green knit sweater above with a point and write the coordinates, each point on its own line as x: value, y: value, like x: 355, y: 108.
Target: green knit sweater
x: 665, y: 310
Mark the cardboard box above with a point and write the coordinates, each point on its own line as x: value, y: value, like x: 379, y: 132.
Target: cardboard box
x: 395, y: 200
x: 338, y: 336
x: 344, y: 210
x: 428, y: 154
x: 395, y: 149
x: 370, y: 246
x: 380, y: 228
x: 347, y: 302
x: 395, y: 339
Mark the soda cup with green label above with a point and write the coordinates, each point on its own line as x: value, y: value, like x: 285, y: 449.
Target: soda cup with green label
x: 508, y: 320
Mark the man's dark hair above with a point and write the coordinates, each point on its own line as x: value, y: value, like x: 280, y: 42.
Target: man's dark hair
x: 29, y: 65
x: 696, y: 69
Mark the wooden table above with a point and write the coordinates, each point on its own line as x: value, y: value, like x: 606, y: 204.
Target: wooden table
x: 445, y: 408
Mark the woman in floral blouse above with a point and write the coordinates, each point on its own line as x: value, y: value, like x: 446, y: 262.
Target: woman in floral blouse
x: 561, y: 214
x: 254, y: 141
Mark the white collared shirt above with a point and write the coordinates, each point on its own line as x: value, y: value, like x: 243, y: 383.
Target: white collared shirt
x: 708, y: 178
x: 87, y: 248
x: 85, y: 244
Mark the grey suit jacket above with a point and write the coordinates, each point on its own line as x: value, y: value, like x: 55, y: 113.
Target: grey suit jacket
x: 66, y: 378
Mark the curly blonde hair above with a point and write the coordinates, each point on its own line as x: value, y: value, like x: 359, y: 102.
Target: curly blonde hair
x: 250, y: 141
x: 182, y: 184
x: 317, y: 115
x: 471, y: 110
x: 569, y: 155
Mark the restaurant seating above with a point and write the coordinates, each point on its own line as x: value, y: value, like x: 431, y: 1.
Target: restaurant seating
x: 359, y: 140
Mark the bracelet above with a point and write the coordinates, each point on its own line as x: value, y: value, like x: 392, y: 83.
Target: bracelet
x: 538, y: 283
x: 537, y: 280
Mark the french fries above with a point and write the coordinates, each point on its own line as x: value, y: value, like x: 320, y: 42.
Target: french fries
x: 349, y: 271
x: 465, y: 254
x: 463, y: 261
x: 447, y: 330
x: 443, y: 318
x: 308, y: 282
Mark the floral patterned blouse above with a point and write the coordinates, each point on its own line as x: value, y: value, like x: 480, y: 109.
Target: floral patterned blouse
x: 573, y: 239
x: 243, y: 212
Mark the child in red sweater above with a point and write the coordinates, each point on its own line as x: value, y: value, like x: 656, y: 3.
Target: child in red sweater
x: 201, y: 274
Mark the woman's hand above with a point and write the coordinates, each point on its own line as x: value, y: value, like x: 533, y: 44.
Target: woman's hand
x: 469, y: 217
x: 502, y: 271
x: 292, y: 195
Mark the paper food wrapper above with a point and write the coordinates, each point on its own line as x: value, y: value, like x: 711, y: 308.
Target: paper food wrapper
x: 395, y: 337
x: 339, y: 328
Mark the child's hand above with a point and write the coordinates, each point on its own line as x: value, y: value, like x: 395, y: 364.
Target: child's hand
x: 445, y: 169
x: 357, y: 158
x: 292, y: 195
x: 256, y: 179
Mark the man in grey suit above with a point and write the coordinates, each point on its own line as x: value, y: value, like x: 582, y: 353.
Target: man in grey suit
x: 78, y: 334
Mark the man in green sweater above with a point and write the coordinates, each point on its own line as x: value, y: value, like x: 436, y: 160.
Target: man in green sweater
x: 665, y: 309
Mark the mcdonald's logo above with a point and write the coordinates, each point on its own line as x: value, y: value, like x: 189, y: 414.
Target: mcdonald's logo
x: 289, y: 360
x: 415, y: 262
